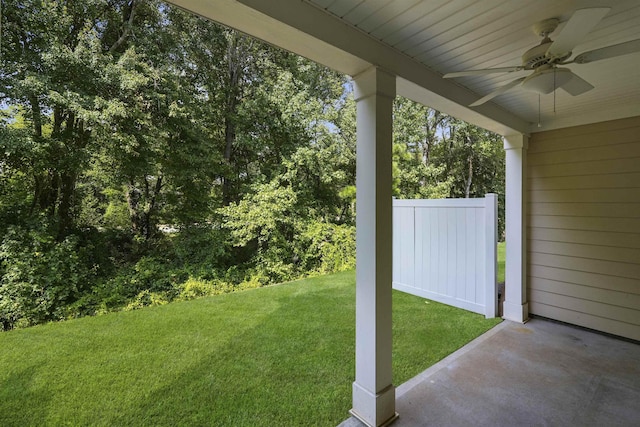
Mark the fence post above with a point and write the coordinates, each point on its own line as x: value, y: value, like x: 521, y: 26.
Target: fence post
x: 491, y: 259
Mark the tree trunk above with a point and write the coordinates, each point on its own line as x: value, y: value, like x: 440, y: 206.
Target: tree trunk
x: 66, y: 192
x: 133, y: 200
x: 469, y: 142
x: 37, y: 116
x: 235, y: 60
x: 467, y: 190
x: 128, y: 14
x: 142, y: 214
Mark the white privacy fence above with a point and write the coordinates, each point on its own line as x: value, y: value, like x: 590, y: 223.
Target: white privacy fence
x: 445, y: 250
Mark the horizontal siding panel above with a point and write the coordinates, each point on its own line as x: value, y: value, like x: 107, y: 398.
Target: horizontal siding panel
x: 612, y: 210
x: 586, y: 130
x: 620, y: 225
x: 600, y: 167
x: 606, y: 311
x: 586, y: 251
x: 585, y: 196
x: 612, y: 283
x: 622, y: 240
x: 617, y: 151
x: 583, y: 214
x: 610, y: 268
x: 610, y: 326
x: 621, y: 299
x: 579, y: 142
x: 620, y: 180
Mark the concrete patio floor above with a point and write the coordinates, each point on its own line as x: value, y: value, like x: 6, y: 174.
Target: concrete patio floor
x: 541, y: 373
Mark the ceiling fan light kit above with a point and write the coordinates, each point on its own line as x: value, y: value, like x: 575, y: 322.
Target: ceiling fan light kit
x: 547, y: 80
x: 545, y: 58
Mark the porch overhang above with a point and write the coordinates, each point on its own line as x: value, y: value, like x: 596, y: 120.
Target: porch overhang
x: 304, y: 29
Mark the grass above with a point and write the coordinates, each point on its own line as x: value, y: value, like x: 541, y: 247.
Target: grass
x: 501, y: 256
x: 275, y: 356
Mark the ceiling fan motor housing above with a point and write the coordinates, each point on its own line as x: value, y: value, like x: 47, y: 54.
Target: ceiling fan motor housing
x: 537, y: 56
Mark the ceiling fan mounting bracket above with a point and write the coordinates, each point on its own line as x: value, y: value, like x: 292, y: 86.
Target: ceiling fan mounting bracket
x: 546, y: 27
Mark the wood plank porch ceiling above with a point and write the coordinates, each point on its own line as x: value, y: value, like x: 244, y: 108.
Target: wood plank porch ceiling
x: 449, y: 36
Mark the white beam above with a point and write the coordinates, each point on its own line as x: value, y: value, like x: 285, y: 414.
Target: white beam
x: 515, y: 306
x: 373, y: 391
x: 251, y: 21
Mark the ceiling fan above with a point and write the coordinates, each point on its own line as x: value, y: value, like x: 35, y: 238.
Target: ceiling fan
x: 545, y: 59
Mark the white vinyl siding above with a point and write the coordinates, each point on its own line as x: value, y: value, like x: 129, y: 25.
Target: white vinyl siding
x: 583, y: 193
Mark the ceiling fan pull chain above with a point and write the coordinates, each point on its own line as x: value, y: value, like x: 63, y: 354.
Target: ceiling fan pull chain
x: 539, y: 124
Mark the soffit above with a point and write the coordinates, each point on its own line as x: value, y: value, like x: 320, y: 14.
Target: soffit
x: 456, y: 35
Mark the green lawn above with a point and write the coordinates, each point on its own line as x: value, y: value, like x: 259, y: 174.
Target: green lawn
x: 501, y: 256
x: 275, y: 356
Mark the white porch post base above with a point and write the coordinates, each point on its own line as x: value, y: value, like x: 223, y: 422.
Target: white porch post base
x: 515, y: 312
x: 374, y: 409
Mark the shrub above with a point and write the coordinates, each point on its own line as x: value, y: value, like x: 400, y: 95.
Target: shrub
x: 329, y: 247
x: 155, y: 275
x: 198, y: 288
x: 201, y: 249
x: 147, y: 298
x: 41, y: 275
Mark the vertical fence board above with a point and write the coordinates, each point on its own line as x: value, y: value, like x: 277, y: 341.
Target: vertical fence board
x: 471, y: 253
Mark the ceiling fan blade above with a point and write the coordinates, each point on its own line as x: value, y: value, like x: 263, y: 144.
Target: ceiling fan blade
x: 625, y: 48
x: 576, y: 85
x: 482, y: 72
x: 500, y: 90
x: 578, y: 26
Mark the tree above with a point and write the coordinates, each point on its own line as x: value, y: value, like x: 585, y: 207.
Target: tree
x: 438, y: 156
x: 121, y: 116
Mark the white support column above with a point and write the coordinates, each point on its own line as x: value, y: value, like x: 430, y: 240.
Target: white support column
x: 515, y: 306
x: 373, y: 391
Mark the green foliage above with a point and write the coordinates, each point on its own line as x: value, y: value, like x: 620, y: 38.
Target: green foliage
x: 162, y: 149
x: 329, y: 247
x: 147, y: 298
x: 198, y: 288
x: 42, y: 276
x: 204, y: 250
x: 501, y: 261
x: 194, y: 288
x: 265, y: 216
